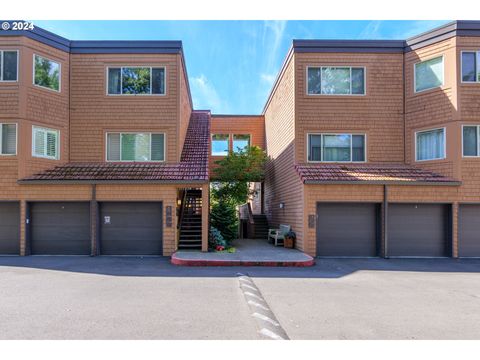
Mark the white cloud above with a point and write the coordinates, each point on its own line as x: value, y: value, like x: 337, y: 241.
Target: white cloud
x: 268, y: 78
x: 205, y: 96
x: 371, y: 31
x: 272, y: 38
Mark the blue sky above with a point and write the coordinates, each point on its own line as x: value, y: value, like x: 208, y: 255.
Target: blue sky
x: 232, y: 64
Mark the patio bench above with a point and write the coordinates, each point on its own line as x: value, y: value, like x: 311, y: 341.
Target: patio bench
x: 278, y: 234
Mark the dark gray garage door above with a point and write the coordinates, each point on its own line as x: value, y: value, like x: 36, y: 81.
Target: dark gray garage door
x: 469, y: 230
x: 131, y: 228
x: 9, y: 228
x: 60, y: 228
x: 418, y: 230
x: 347, y: 229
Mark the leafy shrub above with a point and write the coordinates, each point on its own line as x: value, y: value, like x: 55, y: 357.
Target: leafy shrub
x: 223, y: 217
x: 215, y: 238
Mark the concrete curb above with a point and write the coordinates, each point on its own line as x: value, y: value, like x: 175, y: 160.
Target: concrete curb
x: 272, y: 263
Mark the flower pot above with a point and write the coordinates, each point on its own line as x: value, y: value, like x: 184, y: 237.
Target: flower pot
x: 288, y: 242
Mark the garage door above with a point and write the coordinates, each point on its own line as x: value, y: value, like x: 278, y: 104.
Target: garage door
x: 60, y: 228
x: 9, y: 228
x: 469, y: 230
x: 131, y: 228
x: 347, y: 229
x: 418, y: 230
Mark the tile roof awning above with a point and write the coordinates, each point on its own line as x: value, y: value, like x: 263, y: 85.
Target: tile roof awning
x: 370, y: 174
x: 192, y: 168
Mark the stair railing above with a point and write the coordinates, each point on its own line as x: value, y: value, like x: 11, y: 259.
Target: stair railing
x: 180, y: 217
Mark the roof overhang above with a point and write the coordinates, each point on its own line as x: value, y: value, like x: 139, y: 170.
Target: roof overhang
x: 385, y: 182
x: 100, y: 182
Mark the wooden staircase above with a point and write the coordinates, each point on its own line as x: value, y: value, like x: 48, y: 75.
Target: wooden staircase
x: 190, y: 227
x: 261, y: 227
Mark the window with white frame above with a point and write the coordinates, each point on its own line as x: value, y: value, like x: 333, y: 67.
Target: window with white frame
x: 429, y: 74
x: 430, y: 144
x: 135, y: 147
x: 470, y: 66
x: 471, y: 140
x: 220, y: 143
x: 8, y: 65
x: 8, y: 139
x: 46, y: 73
x: 45, y: 143
x: 335, y: 80
x: 336, y: 147
x: 240, y: 142
x: 136, y: 80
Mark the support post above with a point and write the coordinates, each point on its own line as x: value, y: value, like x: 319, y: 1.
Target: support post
x: 205, y: 215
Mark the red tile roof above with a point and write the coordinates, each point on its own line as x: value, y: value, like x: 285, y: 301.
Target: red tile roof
x: 193, y: 165
x: 358, y: 173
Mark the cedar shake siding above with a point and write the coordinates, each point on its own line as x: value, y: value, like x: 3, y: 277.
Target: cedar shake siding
x: 282, y: 184
x: 253, y: 125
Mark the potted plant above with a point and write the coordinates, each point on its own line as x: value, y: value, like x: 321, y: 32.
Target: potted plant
x: 289, y: 241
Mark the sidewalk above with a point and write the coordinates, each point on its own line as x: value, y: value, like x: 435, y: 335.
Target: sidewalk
x: 249, y: 252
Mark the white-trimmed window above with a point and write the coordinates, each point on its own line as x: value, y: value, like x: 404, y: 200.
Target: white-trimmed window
x: 471, y: 66
x: 430, y: 145
x: 336, y: 147
x: 8, y: 65
x: 429, y: 74
x: 8, y: 139
x: 471, y: 140
x: 220, y: 143
x: 136, y: 80
x: 240, y: 142
x: 45, y: 143
x: 46, y: 73
x: 135, y: 147
x: 340, y: 80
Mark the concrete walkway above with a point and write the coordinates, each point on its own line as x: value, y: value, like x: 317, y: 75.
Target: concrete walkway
x: 249, y: 252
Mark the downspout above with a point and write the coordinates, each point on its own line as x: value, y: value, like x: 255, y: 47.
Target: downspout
x: 385, y: 221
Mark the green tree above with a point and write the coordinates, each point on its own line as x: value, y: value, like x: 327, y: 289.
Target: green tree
x: 235, y: 171
x: 223, y: 216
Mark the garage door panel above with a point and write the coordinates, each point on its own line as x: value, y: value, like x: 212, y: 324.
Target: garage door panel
x: 131, y: 228
x: 347, y: 229
x: 60, y: 228
x: 469, y: 230
x: 418, y: 230
x: 9, y: 228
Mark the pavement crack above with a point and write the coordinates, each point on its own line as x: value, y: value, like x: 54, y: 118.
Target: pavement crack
x: 268, y: 325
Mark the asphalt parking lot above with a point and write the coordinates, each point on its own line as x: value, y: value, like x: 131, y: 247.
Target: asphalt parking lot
x: 148, y: 298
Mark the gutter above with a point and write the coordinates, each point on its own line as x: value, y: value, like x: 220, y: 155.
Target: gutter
x: 386, y: 182
x: 100, y: 182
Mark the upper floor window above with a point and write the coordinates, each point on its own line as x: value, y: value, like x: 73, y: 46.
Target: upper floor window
x: 336, y: 147
x: 220, y: 144
x: 336, y: 80
x: 45, y: 143
x: 136, y: 81
x: 430, y: 145
x: 471, y: 140
x: 429, y: 74
x: 470, y: 66
x: 8, y: 65
x: 135, y: 147
x: 240, y: 142
x: 8, y: 139
x: 46, y: 73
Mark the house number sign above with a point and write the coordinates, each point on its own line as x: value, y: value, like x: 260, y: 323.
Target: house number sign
x: 168, y: 216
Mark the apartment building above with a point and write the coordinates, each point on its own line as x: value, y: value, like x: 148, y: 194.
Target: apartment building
x: 100, y: 148
x: 374, y: 146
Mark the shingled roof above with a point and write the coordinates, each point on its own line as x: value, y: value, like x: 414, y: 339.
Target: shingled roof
x: 193, y: 165
x: 365, y: 173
